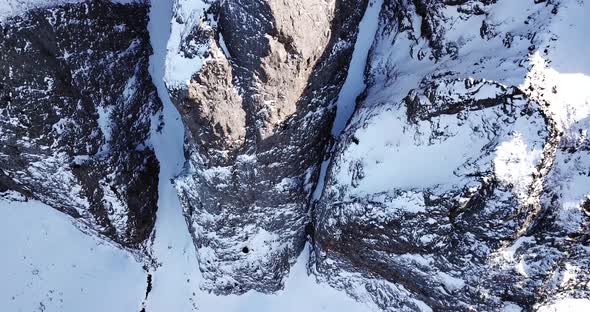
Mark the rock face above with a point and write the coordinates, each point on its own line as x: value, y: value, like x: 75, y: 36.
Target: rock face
x: 76, y: 101
x: 461, y: 182
x: 258, y: 115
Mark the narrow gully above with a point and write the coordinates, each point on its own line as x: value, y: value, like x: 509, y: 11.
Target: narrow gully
x: 354, y: 85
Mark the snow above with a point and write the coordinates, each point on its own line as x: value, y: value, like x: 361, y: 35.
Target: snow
x: 224, y: 46
x: 43, y: 272
x: 50, y: 265
x: 394, y: 155
x: 301, y: 293
x: 354, y: 84
x: 451, y: 283
x: 569, y: 178
x: 176, y: 282
x: 509, y: 252
x: 117, y: 209
x: 92, y: 275
x: 287, y: 184
x: 567, y: 72
x: 319, y: 188
x: 567, y: 305
x: 104, y: 123
x: 511, y: 307
x: 10, y: 8
x: 568, y: 68
x: 173, y: 282
x: 410, y: 201
x: 383, y: 154
x: 515, y: 161
x: 180, y: 68
x: 422, y: 305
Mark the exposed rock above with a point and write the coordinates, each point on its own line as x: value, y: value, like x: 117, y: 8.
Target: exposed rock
x: 258, y: 115
x: 460, y: 184
x: 76, y: 101
x: 453, y: 188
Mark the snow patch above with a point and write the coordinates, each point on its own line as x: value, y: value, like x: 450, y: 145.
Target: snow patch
x: 180, y: 66
x: 104, y: 123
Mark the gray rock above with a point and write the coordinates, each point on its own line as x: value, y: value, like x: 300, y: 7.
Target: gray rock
x: 258, y: 118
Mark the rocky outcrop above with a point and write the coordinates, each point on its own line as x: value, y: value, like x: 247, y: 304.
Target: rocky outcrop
x: 76, y: 103
x: 258, y: 115
x: 449, y: 189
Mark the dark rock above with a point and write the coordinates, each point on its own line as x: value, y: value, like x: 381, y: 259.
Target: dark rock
x: 76, y: 115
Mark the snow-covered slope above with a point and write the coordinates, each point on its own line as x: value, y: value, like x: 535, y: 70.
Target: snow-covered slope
x: 48, y: 264
x: 460, y: 181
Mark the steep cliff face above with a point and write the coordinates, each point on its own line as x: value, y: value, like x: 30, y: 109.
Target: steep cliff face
x: 76, y: 102
x: 258, y: 110
x: 458, y: 183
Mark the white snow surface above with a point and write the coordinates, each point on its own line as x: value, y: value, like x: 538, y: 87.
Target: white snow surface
x: 54, y: 267
x: 396, y: 155
x: 567, y: 305
x: 50, y: 265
